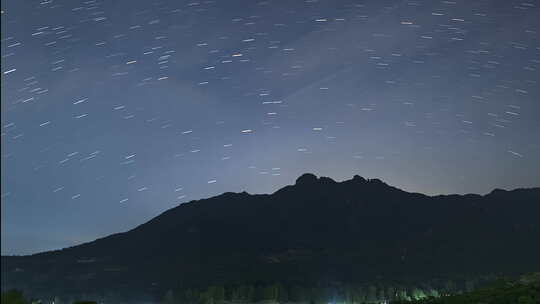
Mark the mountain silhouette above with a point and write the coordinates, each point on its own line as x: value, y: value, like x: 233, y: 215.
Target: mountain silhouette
x: 317, y: 230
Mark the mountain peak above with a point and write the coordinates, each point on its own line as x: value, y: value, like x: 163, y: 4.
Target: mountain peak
x: 306, y: 179
x: 310, y: 179
x: 358, y: 178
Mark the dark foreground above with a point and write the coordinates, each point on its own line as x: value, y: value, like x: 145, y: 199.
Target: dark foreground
x: 525, y: 290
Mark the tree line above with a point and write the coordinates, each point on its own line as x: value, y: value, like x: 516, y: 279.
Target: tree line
x: 281, y: 293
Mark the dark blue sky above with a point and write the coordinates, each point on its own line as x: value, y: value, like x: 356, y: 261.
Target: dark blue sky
x: 114, y: 111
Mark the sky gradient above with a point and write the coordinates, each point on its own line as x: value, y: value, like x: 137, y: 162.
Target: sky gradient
x: 115, y: 111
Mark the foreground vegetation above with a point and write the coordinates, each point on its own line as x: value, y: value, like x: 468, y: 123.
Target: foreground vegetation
x: 524, y: 291
x: 16, y: 297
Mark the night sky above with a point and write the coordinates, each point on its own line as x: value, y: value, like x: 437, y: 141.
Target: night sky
x: 115, y: 111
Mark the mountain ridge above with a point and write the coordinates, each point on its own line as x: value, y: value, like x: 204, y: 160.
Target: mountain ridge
x: 316, y: 230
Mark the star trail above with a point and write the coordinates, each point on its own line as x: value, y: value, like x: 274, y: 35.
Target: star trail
x: 114, y: 111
